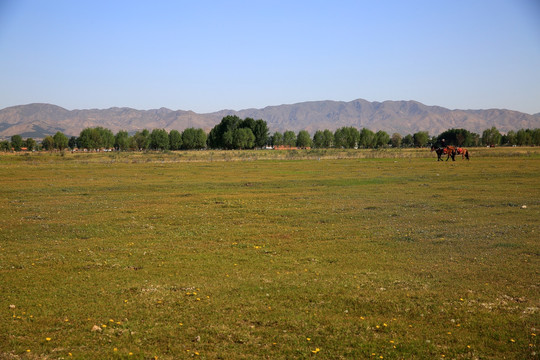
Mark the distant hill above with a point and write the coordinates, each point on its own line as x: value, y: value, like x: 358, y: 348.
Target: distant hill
x: 404, y: 117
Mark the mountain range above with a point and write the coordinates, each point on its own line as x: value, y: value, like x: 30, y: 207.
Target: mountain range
x: 404, y: 117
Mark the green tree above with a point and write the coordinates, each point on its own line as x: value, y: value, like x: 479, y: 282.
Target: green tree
x: 289, y: 138
x: 277, y: 139
x: 88, y: 139
x: 121, y: 140
x: 107, y: 137
x: 381, y: 139
x: 60, y: 141
x: 408, y: 141
x: 261, y: 132
x: 159, y: 139
x: 132, y: 143
x: 30, y: 144
x: 48, y: 143
x: 395, y: 140
x: 5, y: 145
x: 200, y: 139
x: 523, y: 137
x: 510, y: 138
x: 475, y: 140
x: 96, y: 138
x: 328, y: 138
x: 457, y: 137
x: 535, y: 135
x: 72, y: 143
x: 243, y: 138
x: 303, y: 140
x: 175, y: 140
x: 420, y: 138
x: 491, y: 137
x: 346, y: 137
x: 217, y: 138
x: 141, y: 140
x: 16, y: 142
x: 228, y: 139
x: 223, y: 135
x: 318, y: 139
x: 193, y: 139
x: 248, y: 123
x: 367, y: 138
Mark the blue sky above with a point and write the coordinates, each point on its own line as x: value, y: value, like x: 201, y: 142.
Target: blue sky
x: 207, y: 56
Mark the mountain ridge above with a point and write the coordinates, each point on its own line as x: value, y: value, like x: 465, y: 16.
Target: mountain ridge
x: 403, y: 116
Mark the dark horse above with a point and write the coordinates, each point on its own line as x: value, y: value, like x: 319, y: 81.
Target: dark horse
x: 448, y: 150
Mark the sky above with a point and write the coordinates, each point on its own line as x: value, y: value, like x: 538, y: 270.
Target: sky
x: 208, y: 56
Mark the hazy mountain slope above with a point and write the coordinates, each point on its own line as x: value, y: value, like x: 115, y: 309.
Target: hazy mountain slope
x: 391, y: 116
x: 405, y: 117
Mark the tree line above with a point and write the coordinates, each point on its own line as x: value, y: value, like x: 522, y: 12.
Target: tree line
x: 235, y: 133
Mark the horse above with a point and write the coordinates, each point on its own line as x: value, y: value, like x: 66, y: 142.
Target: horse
x: 448, y: 150
x: 463, y: 152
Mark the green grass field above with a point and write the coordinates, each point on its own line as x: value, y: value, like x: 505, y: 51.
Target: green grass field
x: 276, y: 255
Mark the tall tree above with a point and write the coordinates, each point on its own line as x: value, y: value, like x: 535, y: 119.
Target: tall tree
x: 491, y: 137
x: 523, y: 137
x: 48, y: 143
x: 367, y: 138
x: 260, y: 131
x: 141, y: 140
x: 420, y: 138
x: 88, y: 139
x: 60, y: 141
x: 175, y: 140
x: 303, y: 140
x: 159, y: 139
x: 106, y: 136
x: 217, y: 138
x: 318, y: 139
x: 72, y: 143
x: 509, y: 138
x: 408, y: 141
x: 289, y: 138
x: 96, y: 138
x: 346, y: 137
x: 535, y: 137
x: 381, y: 139
x: 5, y: 145
x: 277, y: 139
x: 121, y: 140
x: 30, y: 144
x: 457, y: 137
x: 396, y: 140
x: 200, y: 139
x: 248, y: 123
x: 193, y: 139
x: 328, y: 138
x: 16, y: 142
x: 243, y: 138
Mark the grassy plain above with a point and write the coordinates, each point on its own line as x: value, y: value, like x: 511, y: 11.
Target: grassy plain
x: 278, y: 255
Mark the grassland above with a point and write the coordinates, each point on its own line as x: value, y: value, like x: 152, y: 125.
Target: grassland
x: 278, y: 255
